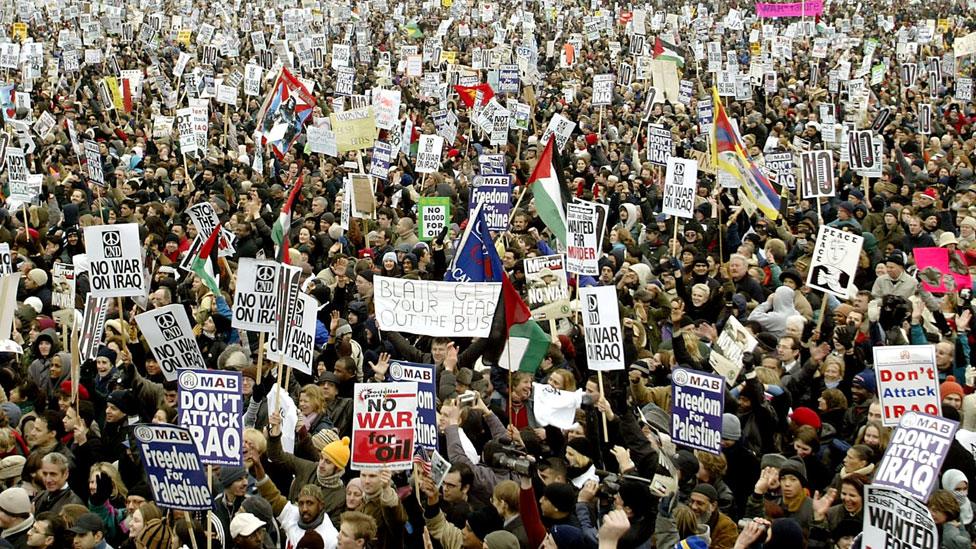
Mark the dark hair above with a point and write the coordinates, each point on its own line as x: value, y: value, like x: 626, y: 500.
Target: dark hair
x: 467, y: 474
x: 56, y: 527
x: 54, y: 420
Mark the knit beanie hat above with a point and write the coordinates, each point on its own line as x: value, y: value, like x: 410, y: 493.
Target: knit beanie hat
x: 562, y: 496
x: 322, y: 438
x: 950, y: 387
x: 156, y: 535
x: 338, y: 452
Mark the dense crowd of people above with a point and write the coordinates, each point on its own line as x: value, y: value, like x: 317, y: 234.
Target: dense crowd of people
x: 802, y: 431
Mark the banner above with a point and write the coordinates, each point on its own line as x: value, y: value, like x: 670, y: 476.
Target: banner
x: 176, y: 475
x: 660, y: 143
x: 383, y: 426
x: 601, y: 324
x: 680, y: 187
x: 299, y: 351
x: 942, y: 271
x: 907, y: 381
x: 697, y: 404
x: 805, y: 8
x: 915, y: 454
x: 433, y: 214
x: 387, y: 105
x: 585, y: 224
x: 283, y: 115
x: 256, y: 295
x: 547, y: 289
x: 834, y: 262
x: 494, y: 193
x: 171, y: 340
x: 425, y: 376
x: 93, y: 163
x: 212, y: 410
x: 92, y: 327
x: 205, y: 219
x: 63, y: 286
x: 116, y: 257
x: 449, y: 309
x: 906, y: 520
x: 354, y: 129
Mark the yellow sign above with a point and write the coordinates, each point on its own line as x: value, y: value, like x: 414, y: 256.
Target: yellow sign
x: 183, y: 37
x: 755, y: 48
x: 354, y: 129
x: 943, y: 25
x: 449, y: 57
x: 20, y: 31
x: 447, y: 3
x: 113, y: 88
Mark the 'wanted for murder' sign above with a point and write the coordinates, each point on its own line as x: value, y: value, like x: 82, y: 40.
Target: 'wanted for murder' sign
x: 212, y: 409
x: 601, y: 325
x: 585, y: 224
x: 892, y: 519
x: 697, y: 403
x: 914, y: 457
x: 256, y: 295
x: 680, y: 187
x: 168, y: 333
x: 176, y: 475
x: 383, y: 426
x: 907, y: 381
x: 116, y: 257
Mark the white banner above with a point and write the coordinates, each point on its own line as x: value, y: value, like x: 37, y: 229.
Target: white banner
x: 116, y: 257
x: 300, y: 348
x: 429, y: 153
x: 451, y: 309
x: 834, y: 262
x: 256, y: 295
x: 906, y: 381
x: 168, y: 333
x: 601, y: 325
x: 680, y: 187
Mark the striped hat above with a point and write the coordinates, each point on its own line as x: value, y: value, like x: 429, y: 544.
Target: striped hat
x: 156, y: 535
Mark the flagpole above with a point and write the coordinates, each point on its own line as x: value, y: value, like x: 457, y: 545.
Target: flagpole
x: 599, y: 377
x: 281, y: 363
x: 209, y: 511
x: 260, y: 357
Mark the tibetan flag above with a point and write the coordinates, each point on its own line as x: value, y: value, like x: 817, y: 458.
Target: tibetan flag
x: 126, y: 95
x: 469, y: 93
x: 281, y: 232
x: 668, y: 52
x: 549, y: 193
x: 204, y: 264
x: 730, y: 156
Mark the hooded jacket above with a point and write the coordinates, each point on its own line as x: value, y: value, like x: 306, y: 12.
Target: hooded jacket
x: 772, y: 316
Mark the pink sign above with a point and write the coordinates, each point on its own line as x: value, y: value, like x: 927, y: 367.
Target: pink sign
x: 809, y: 8
x: 940, y: 271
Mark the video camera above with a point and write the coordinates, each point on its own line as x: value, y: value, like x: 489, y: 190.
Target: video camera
x: 510, y: 457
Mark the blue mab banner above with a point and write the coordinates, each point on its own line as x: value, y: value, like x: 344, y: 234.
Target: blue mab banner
x: 495, y: 193
x: 913, y: 460
x: 425, y: 376
x: 212, y: 409
x: 177, y: 477
x: 697, y: 403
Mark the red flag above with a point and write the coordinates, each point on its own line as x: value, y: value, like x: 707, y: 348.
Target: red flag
x: 468, y: 94
x: 126, y: 95
x: 516, y: 311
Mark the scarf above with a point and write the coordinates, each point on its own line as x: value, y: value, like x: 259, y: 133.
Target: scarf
x: 867, y: 470
x: 311, y: 525
x: 328, y: 481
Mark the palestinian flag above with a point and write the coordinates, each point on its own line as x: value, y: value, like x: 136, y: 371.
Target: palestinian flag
x: 281, y: 232
x: 668, y: 52
x: 469, y: 93
x: 549, y: 193
x: 205, y: 264
x: 526, y: 347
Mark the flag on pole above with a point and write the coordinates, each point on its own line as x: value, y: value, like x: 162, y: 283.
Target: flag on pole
x: 549, y: 193
x: 205, y: 263
x: 668, y: 52
x: 469, y: 93
x: 284, y: 113
x: 729, y: 155
x: 527, y: 345
x: 281, y: 231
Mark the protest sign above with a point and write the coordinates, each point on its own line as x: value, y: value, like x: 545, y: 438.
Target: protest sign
x: 116, y: 257
x: 299, y: 350
x: 205, y: 219
x: 434, y: 307
x: 860, y: 150
x: 680, y: 187
x: 184, y: 126
x: 925, y: 118
x: 494, y: 193
x: 660, y: 145
x: 383, y: 427
x: 834, y: 264
x: 6, y: 262
x: 176, y: 475
x: 387, y: 105
x: 697, y: 403
x: 429, y: 153
x: 942, y: 271
x: 601, y: 324
x: 17, y: 170
x: 907, y: 381
x: 782, y: 169
x: 169, y: 335
x: 555, y: 407
x: 256, y: 295
x: 355, y: 129
x: 817, y: 170
x: 602, y: 89
x: 547, y: 289
x: 805, y: 8
x: 63, y: 286
x: 379, y: 161
x: 585, y: 225
x: 560, y: 128
x: 892, y: 519
x: 212, y: 410
x: 732, y: 343
x: 433, y: 214
x: 915, y: 454
x: 424, y: 375
x: 92, y: 326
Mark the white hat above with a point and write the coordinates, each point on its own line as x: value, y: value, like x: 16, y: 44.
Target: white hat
x: 244, y: 524
x: 35, y: 303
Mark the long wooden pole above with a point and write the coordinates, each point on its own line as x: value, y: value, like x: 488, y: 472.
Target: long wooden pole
x: 260, y: 357
x: 599, y: 377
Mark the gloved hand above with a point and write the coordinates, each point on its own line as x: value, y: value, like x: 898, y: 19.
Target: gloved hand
x: 103, y: 489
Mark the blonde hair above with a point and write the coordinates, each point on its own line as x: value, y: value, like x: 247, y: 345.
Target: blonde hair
x: 118, y: 487
x: 569, y: 380
x: 316, y: 395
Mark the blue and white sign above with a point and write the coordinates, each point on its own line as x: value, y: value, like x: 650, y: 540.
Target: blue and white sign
x: 212, y: 409
x: 697, y: 403
x: 176, y: 475
x: 495, y: 193
x: 425, y: 376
